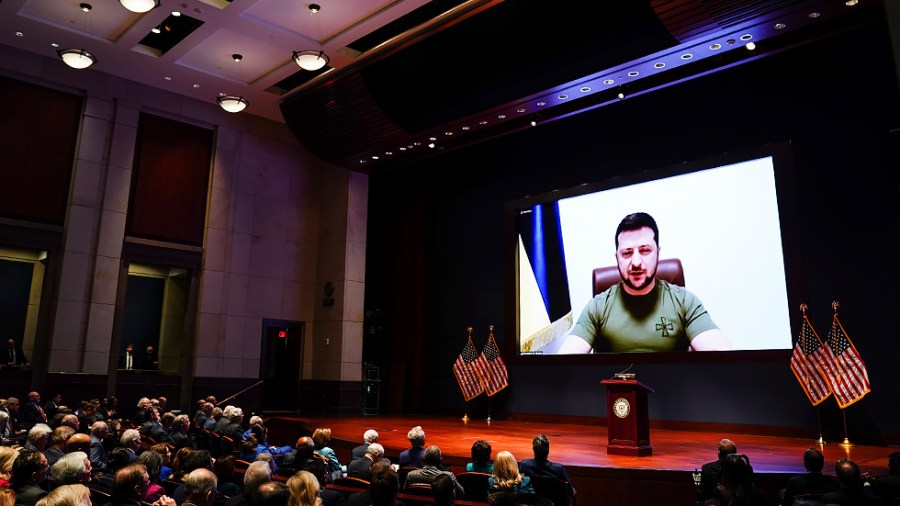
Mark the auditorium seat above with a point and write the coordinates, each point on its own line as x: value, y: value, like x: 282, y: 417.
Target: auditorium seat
x: 402, y: 472
x: 419, y: 489
x: 558, y: 491
x: 475, y: 484
x: 668, y: 269
x: 350, y: 481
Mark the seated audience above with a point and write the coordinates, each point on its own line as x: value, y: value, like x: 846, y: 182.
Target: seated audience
x: 255, y: 475
x: 67, y: 495
x: 442, y: 491
x: 7, y: 497
x: 57, y: 442
x: 130, y: 486
x: 431, y: 470
x: 29, y: 471
x: 38, y: 437
x: 7, y: 457
x: 888, y: 486
x: 736, y: 486
x: 224, y: 469
x: 97, y: 448
x: 711, y: 472
x: 414, y: 456
x: 178, y: 436
x: 165, y: 472
x: 852, y: 491
x: 481, y: 458
x: 507, y: 478
x: 359, y: 468
x: 179, y: 462
x: 72, y: 469
x: 813, y: 482
x: 304, y: 489
x: 540, y: 466
x: 200, y: 487
x: 152, y: 462
x: 369, y: 437
x: 377, y: 472
x: 118, y: 458
x: 272, y: 493
x: 322, y: 438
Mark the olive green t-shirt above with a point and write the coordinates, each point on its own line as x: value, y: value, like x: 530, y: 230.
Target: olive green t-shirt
x: 666, y: 319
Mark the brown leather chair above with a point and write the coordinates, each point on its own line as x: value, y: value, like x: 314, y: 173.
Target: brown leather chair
x: 668, y: 269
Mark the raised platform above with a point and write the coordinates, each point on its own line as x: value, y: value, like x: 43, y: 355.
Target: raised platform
x: 662, y: 478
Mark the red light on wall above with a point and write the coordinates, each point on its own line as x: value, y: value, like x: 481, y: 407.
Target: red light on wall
x: 282, y: 333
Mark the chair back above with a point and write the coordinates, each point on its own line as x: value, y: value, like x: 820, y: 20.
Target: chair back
x: 402, y: 472
x: 475, y: 484
x: 668, y: 269
x: 351, y: 481
x: 557, y: 490
x: 419, y: 489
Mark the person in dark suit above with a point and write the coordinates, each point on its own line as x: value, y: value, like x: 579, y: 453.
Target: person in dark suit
x: 152, y: 428
x: 52, y: 406
x: 431, y: 470
x: 852, y: 492
x: 414, y: 457
x: 888, y: 486
x: 32, y: 412
x: 711, y: 472
x: 149, y: 360
x: 812, y: 482
x: 383, y: 490
x: 369, y: 437
x: 129, y: 360
x: 14, y: 354
x: 540, y: 466
x: 359, y: 468
x: 130, y: 486
x: 29, y: 471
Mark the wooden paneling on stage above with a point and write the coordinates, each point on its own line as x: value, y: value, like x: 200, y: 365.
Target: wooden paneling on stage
x: 662, y: 478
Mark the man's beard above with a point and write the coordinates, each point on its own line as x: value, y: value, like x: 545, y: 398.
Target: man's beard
x: 647, y: 280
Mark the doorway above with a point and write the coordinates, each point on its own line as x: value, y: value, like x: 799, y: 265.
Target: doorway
x: 281, y: 365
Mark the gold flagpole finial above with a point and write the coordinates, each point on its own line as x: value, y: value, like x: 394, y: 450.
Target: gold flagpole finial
x: 469, y: 330
x: 804, y: 309
x: 491, y: 329
x: 835, y: 305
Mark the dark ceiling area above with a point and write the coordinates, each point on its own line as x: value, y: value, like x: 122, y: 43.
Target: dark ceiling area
x: 482, y: 71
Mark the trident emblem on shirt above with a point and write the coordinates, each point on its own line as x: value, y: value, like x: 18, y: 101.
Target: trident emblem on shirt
x: 665, y: 326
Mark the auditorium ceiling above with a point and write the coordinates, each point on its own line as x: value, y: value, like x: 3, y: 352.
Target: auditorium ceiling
x: 410, y: 78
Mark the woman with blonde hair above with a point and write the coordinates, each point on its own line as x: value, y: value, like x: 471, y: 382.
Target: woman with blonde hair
x: 67, y: 495
x: 322, y: 438
x: 507, y: 478
x: 304, y: 488
x: 7, y: 497
x: 7, y: 456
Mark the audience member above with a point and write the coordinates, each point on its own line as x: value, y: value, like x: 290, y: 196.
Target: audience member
x: 384, y: 488
x: 72, y: 469
x: 97, y: 450
x: 813, y: 482
x: 152, y: 428
x: 271, y: 493
x: 431, y: 469
x: 57, y: 442
x: 178, y: 436
x: 304, y: 489
x: 507, y: 478
x: 118, y: 458
x: 131, y: 441
x: 29, y: 471
x: 414, y: 456
x: 78, y: 442
x: 38, y: 437
x: 165, y: 472
x: 32, y: 412
x: 7, y: 457
x: 852, y: 491
x: 52, y: 406
x: 200, y: 488
x: 540, y: 466
x: 376, y: 473
x: 369, y: 437
x: 711, y: 472
x: 359, y: 468
x: 67, y: 495
x: 152, y: 462
x: 888, y: 486
x: 736, y: 486
x: 443, y: 492
x: 304, y: 451
x: 481, y: 458
x: 255, y: 475
x: 7, y: 497
x: 130, y: 485
x: 224, y: 469
x: 179, y: 464
x: 322, y: 438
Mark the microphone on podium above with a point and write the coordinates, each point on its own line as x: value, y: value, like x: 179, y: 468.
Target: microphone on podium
x: 624, y: 375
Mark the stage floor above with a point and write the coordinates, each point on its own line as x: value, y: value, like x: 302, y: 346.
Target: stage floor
x: 576, y: 445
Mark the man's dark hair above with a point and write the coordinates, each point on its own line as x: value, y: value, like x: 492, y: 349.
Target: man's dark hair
x: 442, y: 489
x: 637, y: 221
x: 384, y: 488
x: 270, y: 493
x: 481, y: 452
x: 541, y: 446
x: 378, y: 468
x: 117, y: 458
x: 813, y: 460
x: 127, y: 479
x: 26, y: 464
x: 196, y: 460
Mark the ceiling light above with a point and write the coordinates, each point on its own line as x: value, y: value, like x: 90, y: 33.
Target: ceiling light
x: 232, y: 103
x: 750, y: 46
x: 311, y: 59
x: 77, y: 58
x: 314, y: 8
x: 237, y: 57
x: 139, y: 6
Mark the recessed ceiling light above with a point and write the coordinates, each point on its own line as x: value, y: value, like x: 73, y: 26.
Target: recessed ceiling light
x: 608, y: 81
x: 402, y: 148
x: 715, y: 47
x: 176, y: 13
x: 448, y: 133
x: 465, y: 128
x: 746, y: 36
x: 168, y: 78
x: 431, y: 145
x: 814, y: 15
x: 541, y: 104
x: 237, y: 57
x: 584, y: 89
x: 659, y: 65
x: 374, y: 157
x: 562, y: 97
x: 54, y: 44
x: 196, y: 85
x: 432, y: 139
x: 482, y: 122
x: 750, y: 46
x: 156, y: 29
x: 20, y: 34
x: 851, y: 3
x: 780, y: 26
x: 633, y: 73
x: 687, y: 56
x: 501, y: 116
x: 520, y: 110
x: 314, y: 8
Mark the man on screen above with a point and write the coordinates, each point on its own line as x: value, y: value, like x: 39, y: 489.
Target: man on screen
x: 643, y: 313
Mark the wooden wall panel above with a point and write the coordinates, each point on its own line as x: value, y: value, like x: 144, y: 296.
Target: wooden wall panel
x: 170, y: 181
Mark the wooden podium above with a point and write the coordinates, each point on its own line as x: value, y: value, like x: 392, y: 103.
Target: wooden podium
x: 628, y: 417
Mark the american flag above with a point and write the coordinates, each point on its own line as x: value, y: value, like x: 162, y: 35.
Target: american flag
x: 850, y: 380
x: 805, y: 367
x: 465, y: 374
x: 491, y: 368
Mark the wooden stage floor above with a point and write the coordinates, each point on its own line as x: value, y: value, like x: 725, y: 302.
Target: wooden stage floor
x: 582, y: 448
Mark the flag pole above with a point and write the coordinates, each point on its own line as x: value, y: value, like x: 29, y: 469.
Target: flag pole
x: 821, y: 440
x: 835, y: 305
x: 465, y: 417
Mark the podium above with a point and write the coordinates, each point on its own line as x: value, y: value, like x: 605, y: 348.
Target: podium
x: 628, y: 417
